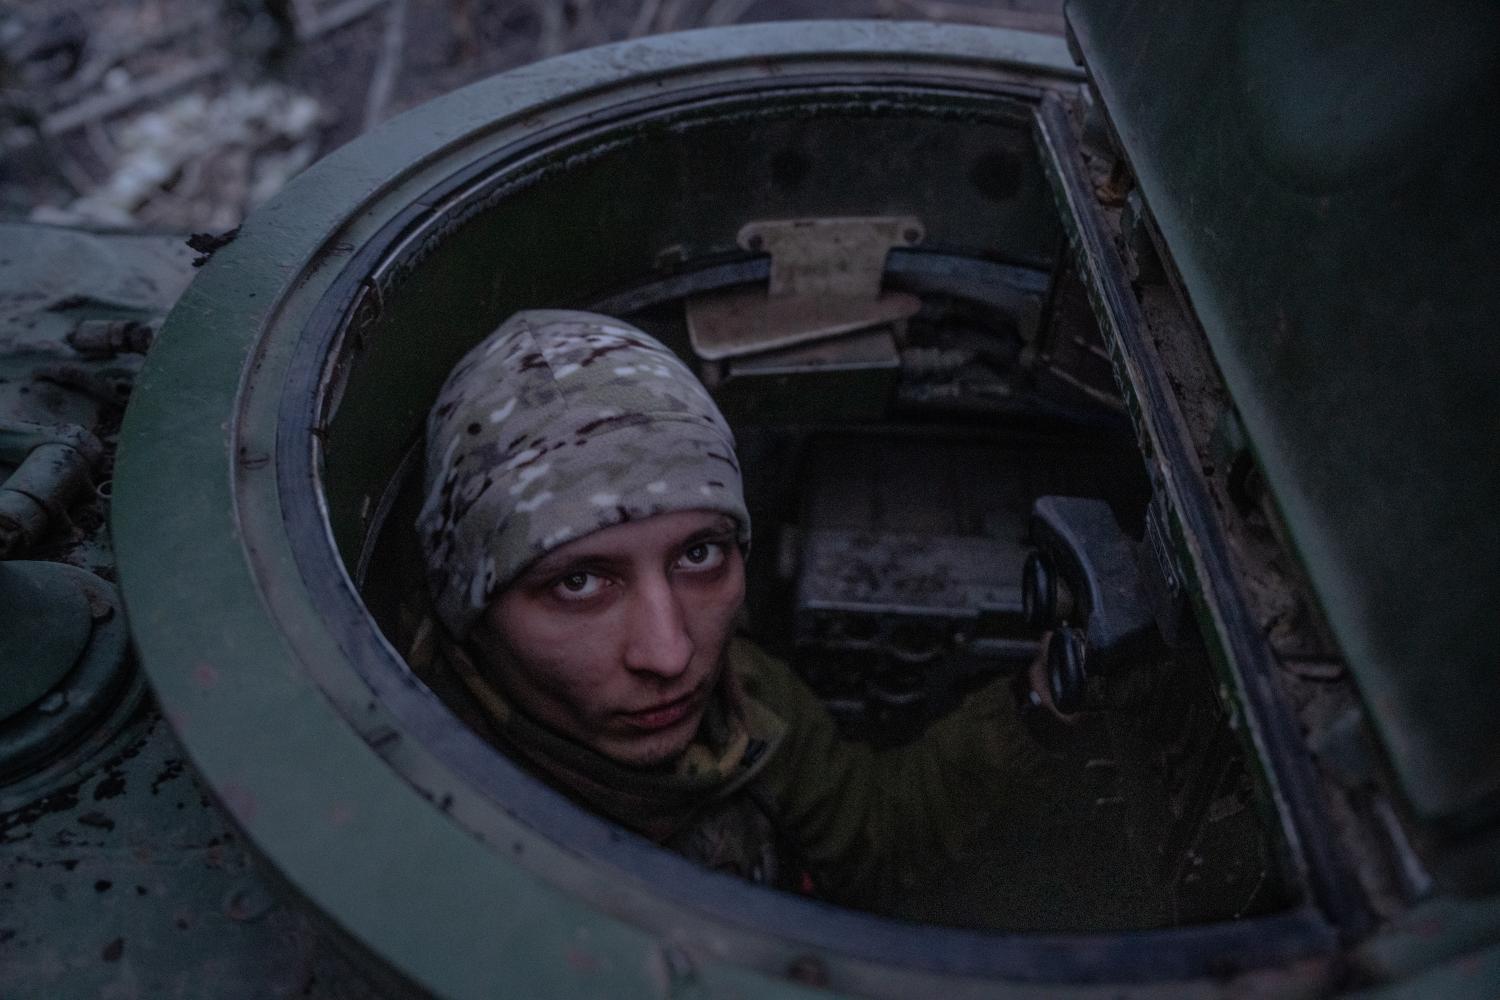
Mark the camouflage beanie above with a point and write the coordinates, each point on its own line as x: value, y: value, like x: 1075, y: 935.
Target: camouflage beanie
x: 558, y: 424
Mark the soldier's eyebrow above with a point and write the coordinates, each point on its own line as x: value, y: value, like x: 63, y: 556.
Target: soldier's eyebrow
x: 719, y: 531
x: 556, y: 563
x: 552, y: 565
x: 559, y: 563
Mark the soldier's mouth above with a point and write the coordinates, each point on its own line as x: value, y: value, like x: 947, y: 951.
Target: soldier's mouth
x: 664, y: 714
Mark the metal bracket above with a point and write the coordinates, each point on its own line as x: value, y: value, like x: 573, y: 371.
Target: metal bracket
x: 825, y: 280
x: 53, y: 464
x: 1083, y: 541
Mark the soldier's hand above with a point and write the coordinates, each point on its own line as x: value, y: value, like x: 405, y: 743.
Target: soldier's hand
x: 1036, y: 689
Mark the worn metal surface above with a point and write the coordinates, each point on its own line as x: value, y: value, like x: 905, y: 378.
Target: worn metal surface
x: 742, y: 322
x: 131, y: 883
x: 910, y: 546
x: 359, y: 787
x: 53, y: 466
x: 55, y: 398
x: 258, y: 681
x: 63, y: 651
x: 1241, y: 653
x: 1472, y: 977
x: 1332, y: 224
x: 94, y: 679
x: 910, y: 550
x: 852, y: 375
x: 47, y: 628
x: 119, y: 876
x: 837, y: 257
x: 1436, y: 932
x: 825, y: 280
x: 855, y: 352
x: 1085, y: 542
x: 889, y: 619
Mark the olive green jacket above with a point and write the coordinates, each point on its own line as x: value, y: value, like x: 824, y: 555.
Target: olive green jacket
x: 864, y: 825
x: 868, y: 824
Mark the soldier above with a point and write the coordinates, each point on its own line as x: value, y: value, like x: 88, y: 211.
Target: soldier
x: 585, y: 536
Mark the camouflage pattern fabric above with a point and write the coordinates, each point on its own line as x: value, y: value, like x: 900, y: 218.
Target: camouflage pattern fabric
x: 556, y: 425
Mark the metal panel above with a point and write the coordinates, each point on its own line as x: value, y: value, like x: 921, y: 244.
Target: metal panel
x: 1321, y: 181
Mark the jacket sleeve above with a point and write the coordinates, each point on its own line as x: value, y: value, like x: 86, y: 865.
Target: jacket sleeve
x: 868, y: 823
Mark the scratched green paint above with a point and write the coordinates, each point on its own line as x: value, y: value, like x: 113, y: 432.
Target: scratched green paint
x: 396, y: 879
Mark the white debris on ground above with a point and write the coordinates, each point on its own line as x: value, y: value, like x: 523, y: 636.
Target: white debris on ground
x: 182, y: 115
x: 200, y: 161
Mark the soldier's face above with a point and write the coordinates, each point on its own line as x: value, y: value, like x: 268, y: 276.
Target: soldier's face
x: 617, y: 638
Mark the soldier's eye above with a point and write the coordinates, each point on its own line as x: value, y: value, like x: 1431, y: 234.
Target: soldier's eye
x: 577, y: 586
x: 701, y: 556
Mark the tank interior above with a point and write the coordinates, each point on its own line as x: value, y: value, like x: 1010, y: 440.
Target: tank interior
x: 893, y: 470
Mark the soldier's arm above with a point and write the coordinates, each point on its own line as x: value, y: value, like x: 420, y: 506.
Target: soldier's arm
x: 869, y: 822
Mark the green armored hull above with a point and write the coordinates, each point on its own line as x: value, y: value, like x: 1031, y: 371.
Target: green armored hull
x: 1092, y: 372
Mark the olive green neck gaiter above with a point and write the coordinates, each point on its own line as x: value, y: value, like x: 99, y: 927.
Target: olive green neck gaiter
x: 737, y: 737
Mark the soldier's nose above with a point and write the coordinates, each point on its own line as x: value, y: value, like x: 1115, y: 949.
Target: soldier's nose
x: 657, y: 641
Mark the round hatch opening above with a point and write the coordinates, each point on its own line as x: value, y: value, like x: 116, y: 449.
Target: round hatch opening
x: 630, y: 181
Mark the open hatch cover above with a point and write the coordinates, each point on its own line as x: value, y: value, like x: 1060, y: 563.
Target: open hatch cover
x: 1324, y: 186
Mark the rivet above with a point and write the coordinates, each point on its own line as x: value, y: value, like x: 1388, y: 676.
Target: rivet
x: 247, y: 902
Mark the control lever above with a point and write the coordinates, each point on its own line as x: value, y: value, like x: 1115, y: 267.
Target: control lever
x: 1082, y: 581
x: 1066, y: 676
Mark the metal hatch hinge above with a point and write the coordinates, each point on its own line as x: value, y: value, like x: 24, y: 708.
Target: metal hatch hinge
x: 825, y: 280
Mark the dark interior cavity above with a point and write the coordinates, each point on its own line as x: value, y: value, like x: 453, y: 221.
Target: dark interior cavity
x: 998, y: 392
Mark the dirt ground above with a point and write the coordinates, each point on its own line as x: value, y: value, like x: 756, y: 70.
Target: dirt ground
x: 182, y: 115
